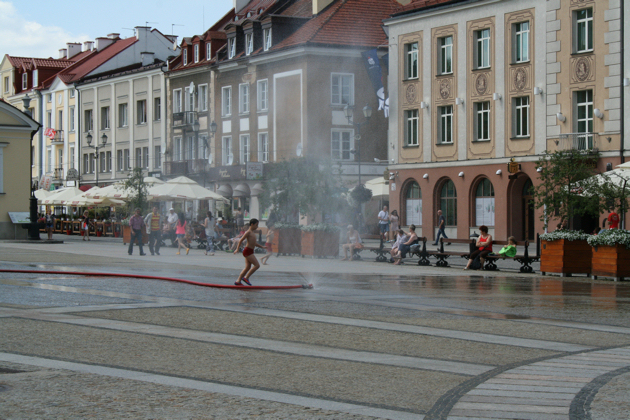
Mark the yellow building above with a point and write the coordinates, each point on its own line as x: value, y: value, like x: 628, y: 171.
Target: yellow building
x: 16, y: 132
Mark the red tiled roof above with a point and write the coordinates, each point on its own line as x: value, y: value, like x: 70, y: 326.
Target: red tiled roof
x: 421, y: 4
x: 353, y: 23
x: 300, y: 8
x: 40, y: 62
x: 254, y: 7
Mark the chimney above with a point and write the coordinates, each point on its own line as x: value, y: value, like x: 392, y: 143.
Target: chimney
x: 142, y: 32
x: 102, y: 42
x: 319, y: 5
x: 63, y: 53
x: 239, y: 4
x: 147, y: 58
x: 88, y: 45
x: 113, y: 36
x: 74, y: 48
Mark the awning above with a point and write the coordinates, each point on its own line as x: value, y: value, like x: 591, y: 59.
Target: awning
x: 241, y: 190
x: 257, y: 189
x: 225, y: 190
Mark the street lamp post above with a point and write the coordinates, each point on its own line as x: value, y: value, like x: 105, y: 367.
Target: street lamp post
x: 96, y: 148
x: 212, y: 131
x: 33, y: 228
x: 367, y: 113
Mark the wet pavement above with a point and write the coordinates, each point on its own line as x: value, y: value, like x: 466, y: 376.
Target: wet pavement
x: 370, y: 340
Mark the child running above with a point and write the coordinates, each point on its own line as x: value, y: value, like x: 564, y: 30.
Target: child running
x: 251, y: 263
x: 268, y: 245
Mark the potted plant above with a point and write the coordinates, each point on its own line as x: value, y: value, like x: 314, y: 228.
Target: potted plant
x: 288, y: 239
x: 320, y: 240
x: 566, y: 252
x: 611, y: 254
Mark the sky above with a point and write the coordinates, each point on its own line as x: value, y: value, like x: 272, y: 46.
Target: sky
x: 39, y: 28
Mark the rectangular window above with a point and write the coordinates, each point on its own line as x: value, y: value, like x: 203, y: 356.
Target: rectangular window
x: 101, y: 163
x: 521, y: 41
x: 208, y: 51
x: 145, y: 157
x: 584, y: 121
x: 226, y: 98
x: 196, y: 53
x: 262, y: 92
x: 86, y: 163
x: 231, y: 48
x: 119, y: 160
x: 24, y: 80
x: 227, y: 157
x: 244, y: 152
x: 71, y: 160
x: 72, y: 93
x: 243, y: 98
x: 482, y: 121
x: 87, y: 120
x: 249, y: 44
x: 157, y: 159
x: 185, y: 55
x: 411, y: 67
x: 342, y: 89
x: 71, y: 115
x: 122, y: 115
x: 92, y: 162
x: 138, y: 157
x: 59, y: 158
x: 177, y: 100
x: 189, y: 149
x: 263, y: 147
x: 189, y: 100
x: 108, y: 161
x: 6, y: 85
x: 157, y: 109
x: 104, y: 118
x: 583, y: 30
x: 341, y: 144
x: 203, y: 98
x: 482, y: 47
x: 521, y: 116
x: 49, y: 97
x: 49, y: 160
x: 445, y: 124
x: 411, y: 127
x: 126, y: 159
x: 49, y: 119
x: 35, y: 77
x: 177, y: 149
x: 60, y: 120
x: 446, y: 55
x: 266, y: 39
x: 142, y: 111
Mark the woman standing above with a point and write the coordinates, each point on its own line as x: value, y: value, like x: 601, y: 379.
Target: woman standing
x: 484, y: 245
x: 180, y: 231
x: 50, y: 223
x: 86, y: 225
x: 208, y: 225
x: 393, y: 224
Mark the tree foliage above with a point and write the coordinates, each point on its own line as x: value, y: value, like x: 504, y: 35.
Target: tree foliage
x: 360, y: 194
x: 138, y: 190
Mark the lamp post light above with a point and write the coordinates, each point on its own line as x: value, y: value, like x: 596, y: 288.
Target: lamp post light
x: 212, y: 131
x: 348, y: 110
x: 33, y: 228
x: 96, y: 148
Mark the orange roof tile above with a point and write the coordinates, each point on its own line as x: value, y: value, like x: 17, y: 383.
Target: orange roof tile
x: 416, y: 5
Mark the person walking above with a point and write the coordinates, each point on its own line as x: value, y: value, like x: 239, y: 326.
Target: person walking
x: 180, y: 231
x: 441, y: 226
x: 251, y: 263
x: 50, y: 223
x: 209, y: 226
x: 136, y: 224
x: 172, y: 225
x: 268, y: 244
x: 153, y: 222
x: 383, y: 223
x: 85, y: 226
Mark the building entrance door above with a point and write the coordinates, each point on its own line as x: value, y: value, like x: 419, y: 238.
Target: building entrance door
x: 528, y: 212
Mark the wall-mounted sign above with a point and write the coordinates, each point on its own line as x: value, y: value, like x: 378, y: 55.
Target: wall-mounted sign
x: 513, y: 167
x: 254, y: 170
x: 73, y: 175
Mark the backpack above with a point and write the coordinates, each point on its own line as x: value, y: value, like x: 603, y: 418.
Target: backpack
x: 476, y: 264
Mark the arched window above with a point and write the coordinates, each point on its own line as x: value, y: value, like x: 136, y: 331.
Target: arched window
x: 414, y: 205
x: 484, y: 203
x: 448, y: 203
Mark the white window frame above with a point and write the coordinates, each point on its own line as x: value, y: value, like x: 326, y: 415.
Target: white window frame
x: 72, y: 93
x: 123, y: 115
x: 108, y: 161
x: 88, y: 120
x: 7, y: 84
x: 138, y: 157
x: 340, y: 148
x: 482, y: 121
x: 583, y: 24
x: 177, y: 101
x: 185, y: 56
x: 244, y: 149
x: 157, y: 158
x: 196, y: 53
x: 226, y: 101
x: 24, y: 81
x: 86, y: 163
x: 585, y: 141
x: 412, y: 127
x: 101, y: 162
x: 249, y: 43
x: 521, y: 116
x: 49, y: 119
x: 243, y: 98
x: 120, y: 165
x: 157, y: 108
x: 35, y: 77
x: 446, y: 55
x: 71, y: 126
x: 145, y: 157
x: 105, y: 118
x: 521, y: 42
x: 203, y: 98
x: 231, y: 47
x: 262, y: 95
x: 263, y: 147
x: 49, y: 97
x: 482, y: 48
x: 60, y: 119
x: 142, y: 111
x: 226, y: 144
x: 209, y: 51
x: 71, y: 159
x: 267, y: 39
x: 177, y: 149
x: 338, y: 83
x: 445, y: 120
x: 411, y: 61
x: 126, y: 159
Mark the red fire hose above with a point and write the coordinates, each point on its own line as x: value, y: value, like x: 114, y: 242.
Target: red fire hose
x: 137, y: 276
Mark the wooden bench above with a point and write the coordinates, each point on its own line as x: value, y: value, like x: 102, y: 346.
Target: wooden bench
x: 420, y: 251
x: 442, y: 255
x: 524, y: 258
x: 380, y: 252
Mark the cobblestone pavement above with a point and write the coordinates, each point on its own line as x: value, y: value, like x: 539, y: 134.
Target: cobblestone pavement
x: 370, y: 340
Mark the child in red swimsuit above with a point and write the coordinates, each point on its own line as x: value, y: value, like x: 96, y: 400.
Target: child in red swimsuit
x: 251, y: 263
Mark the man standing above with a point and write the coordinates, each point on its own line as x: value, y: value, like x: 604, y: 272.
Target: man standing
x: 441, y: 226
x: 136, y: 223
x: 172, y: 220
x: 153, y: 222
x: 383, y: 223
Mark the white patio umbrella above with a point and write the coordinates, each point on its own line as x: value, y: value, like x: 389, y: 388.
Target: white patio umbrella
x: 153, y: 180
x: 82, y: 201
x: 182, y: 189
x: 61, y: 195
x: 625, y: 165
x: 378, y: 186
x: 42, y: 194
x: 112, y: 191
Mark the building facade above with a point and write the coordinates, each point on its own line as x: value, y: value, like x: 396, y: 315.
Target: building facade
x: 480, y: 90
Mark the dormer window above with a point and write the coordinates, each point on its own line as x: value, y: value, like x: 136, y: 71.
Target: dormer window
x: 24, y: 80
x: 196, y: 53
x: 231, y: 48
x: 185, y: 57
x: 35, y: 77
x: 267, y: 39
x: 208, y: 51
x: 249, y: 44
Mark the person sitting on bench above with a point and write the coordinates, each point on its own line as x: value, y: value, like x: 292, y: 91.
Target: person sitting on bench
x: 404, y: 247
x: 353, y: 241
x: 484, y: 245
x: 401, y: 238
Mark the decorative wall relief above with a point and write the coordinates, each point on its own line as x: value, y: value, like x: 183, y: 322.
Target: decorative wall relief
x: 410, y: 93
x: 445, y: 88
x: 582, y: 69
x: 481, y: 84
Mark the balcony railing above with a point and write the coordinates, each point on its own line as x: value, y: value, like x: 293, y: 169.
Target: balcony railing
x: 184, y: 167
x: 184, y: 119
x: 58, y: 174
x: 58, y: 138
x: 576, y: 141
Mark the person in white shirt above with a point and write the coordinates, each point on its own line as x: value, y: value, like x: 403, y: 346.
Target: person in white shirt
x: 383, y: 223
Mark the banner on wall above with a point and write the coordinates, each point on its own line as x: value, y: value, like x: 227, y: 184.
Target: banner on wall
x: 414, y: 212
x: 484, y: 209
x: 375, y: 73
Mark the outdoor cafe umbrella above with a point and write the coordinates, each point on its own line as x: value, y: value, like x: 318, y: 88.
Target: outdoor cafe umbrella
x: 61, y: 195
x: 42, y: 194
x: 378, y: 186
x: 183, y: 189
x: 82, y: 201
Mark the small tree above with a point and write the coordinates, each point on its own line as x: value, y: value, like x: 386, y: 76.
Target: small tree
x: 564, y: 175
x: 138, y: 190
